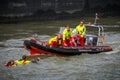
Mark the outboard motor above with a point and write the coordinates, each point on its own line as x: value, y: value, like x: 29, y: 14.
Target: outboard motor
x: 91, y: 40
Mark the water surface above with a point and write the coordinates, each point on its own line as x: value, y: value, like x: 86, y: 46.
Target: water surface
x: 103, y: 66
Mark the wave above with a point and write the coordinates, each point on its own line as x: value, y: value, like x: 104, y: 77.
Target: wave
x: 115, y: 25
x: 116, y: 47
x: 114, y: 42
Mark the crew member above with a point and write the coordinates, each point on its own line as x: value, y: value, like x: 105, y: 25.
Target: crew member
x: 60, y: 40
x: 66, y: 36
x: 56, y: 41
x: 81, y: 30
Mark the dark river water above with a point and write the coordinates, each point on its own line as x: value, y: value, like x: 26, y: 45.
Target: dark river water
x: 103, y: 66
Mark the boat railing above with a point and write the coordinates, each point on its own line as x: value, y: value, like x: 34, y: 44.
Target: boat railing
x: 100, y: 34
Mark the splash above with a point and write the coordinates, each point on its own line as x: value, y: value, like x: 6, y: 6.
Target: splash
x: 116, y: 48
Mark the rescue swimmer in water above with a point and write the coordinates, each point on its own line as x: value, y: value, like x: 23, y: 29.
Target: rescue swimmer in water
x: 23, y: 61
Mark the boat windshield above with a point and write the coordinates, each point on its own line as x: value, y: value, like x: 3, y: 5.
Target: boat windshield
x: 92, y: 30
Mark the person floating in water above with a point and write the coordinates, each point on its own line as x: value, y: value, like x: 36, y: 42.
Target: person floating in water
x: 10, y: 63
x: 23, y: 61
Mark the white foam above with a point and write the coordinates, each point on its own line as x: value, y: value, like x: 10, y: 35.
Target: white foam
x: 115, y: 50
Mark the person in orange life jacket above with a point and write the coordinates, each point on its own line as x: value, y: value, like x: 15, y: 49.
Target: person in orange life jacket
x: 81, y: 30
x: 55, y: 41
x: 67, y: 36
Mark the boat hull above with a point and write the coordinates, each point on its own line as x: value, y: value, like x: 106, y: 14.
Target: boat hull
x: 41, y: 48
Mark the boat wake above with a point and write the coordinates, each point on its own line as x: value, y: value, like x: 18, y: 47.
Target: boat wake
x: 116, y: 47
x: 113, y: 43
x: 116, y: 50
